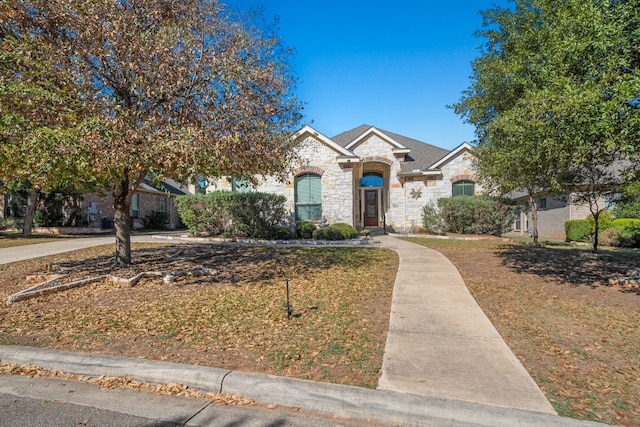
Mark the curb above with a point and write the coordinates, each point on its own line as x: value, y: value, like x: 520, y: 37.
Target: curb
x: 341, y: 400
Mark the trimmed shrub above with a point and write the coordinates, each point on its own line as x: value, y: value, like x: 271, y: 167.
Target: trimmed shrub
x: 305, y: 229
x: 477, y: 214
x: 348, y: 232
x: 628, y: 232
x: 281, y: 233
x: 254, y: 215
x: 432, y: 221
x: 578, y: 230
x: 328, y: 233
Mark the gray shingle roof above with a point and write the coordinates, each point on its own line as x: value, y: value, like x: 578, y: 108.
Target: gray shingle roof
x: 422, y: 155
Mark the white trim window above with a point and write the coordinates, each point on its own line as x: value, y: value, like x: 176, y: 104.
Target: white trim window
x: 308, y: 197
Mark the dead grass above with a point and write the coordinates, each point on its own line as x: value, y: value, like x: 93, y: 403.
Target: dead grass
x: 578, y: 338
x: 235, y: 319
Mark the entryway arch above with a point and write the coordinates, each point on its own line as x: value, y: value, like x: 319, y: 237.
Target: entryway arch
x: 373, y: 187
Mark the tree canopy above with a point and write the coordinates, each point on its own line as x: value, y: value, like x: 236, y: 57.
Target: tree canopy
x: 170, y: 88
x: 554, y: 92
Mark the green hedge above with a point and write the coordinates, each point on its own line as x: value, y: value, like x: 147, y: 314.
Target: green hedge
x: 347, y: 231
x: 476, y: 214
x: 338, y: 231
x: 253, y: 215
x: 578, y: 230
x: 628, y: 232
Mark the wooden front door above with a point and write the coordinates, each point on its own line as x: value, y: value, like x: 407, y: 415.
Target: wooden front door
x: 371, y: 208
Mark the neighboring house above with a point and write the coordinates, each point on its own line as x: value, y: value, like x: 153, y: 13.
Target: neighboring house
x: 148, y: 199
x: 367, y: 177
x: 553, y: 211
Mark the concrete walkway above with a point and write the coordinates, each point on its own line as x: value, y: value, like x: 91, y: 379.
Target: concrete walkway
x: 440, y: 342
x: 38, y: 250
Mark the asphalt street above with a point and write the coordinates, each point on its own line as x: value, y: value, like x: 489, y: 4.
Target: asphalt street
x: 52, y: 402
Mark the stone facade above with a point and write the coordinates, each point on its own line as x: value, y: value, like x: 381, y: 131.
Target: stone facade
x: 403, y: 194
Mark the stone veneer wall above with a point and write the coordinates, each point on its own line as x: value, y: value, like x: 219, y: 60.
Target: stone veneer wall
x: 337, y: 182
x: 403, y: 200
x: 406, y: 200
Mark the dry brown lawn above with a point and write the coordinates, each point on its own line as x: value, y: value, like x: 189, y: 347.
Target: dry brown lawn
x: 234, y: 318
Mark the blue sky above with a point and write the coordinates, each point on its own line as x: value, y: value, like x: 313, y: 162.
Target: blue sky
x: 393, y: 65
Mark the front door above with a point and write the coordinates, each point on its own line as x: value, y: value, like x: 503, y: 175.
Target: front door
x: 371, y: 208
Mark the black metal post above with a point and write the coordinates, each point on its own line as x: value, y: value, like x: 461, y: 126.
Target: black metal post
x: 288, y: 306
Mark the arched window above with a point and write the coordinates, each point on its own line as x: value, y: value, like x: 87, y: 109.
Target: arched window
x: 371, y: 179
x: 308, y: 197
x: 463, y: 188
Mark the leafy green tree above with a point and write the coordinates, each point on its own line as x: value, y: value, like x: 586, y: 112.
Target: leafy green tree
x: 181, y: 89
x: 628, y: 205
x: 554, y: 93
x: 41, y: 119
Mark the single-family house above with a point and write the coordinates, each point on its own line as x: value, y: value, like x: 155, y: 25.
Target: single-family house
x: 148, y: 199
x: 553, y: 211
x: 366, y: 177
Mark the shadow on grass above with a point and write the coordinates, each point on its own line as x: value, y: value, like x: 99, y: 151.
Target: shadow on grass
x: 576, y: 267
x: 233, y: 263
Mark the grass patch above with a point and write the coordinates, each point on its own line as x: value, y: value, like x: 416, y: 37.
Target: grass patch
x: 578, y: 338
x: 235, y: 319
x: 10, y: 239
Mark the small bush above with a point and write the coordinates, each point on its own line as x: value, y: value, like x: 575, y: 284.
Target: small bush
x: 280, y: 233
x: 40, y: 218
x: 11, y: 222
x: 628, y: 232
x: 432, y: 221
x: 348, y: 232
x: 609, y: 238
x: 578, y: 230
x: 328, y: 233
x: 305, y: 229
x: 157, y: 221
x: 477, y: 214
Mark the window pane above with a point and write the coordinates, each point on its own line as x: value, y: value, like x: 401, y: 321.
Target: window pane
x: 308, y: 189
x: 371, y: 179
x: 161, y: 204
x: 240, y: 185
x: 308, y: 197
x: 463, y: 188
x: 309, y: 212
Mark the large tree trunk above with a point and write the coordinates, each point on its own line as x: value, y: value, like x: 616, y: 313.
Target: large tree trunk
x: 122, y: 221
x: 32, y: 201
x: 534, y: 220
